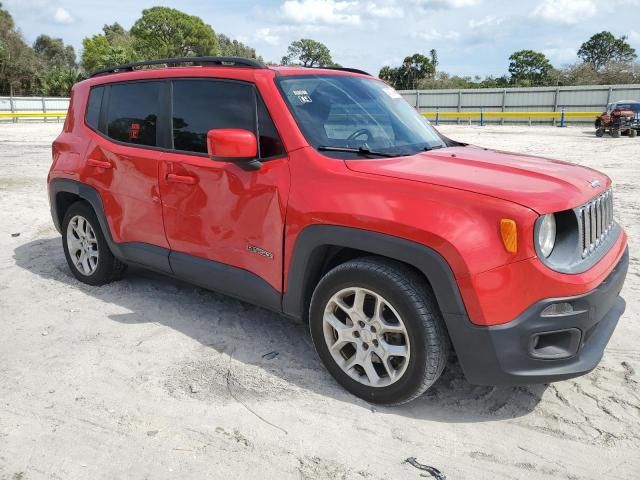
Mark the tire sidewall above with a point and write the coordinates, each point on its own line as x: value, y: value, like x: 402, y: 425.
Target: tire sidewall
x: 413, y: 376
x: 105, y: 259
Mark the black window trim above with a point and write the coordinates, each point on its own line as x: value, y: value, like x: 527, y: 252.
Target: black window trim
x: 102, y: 123
x: 164, y: 130
x: 86, y: 108
x: 256, y: 95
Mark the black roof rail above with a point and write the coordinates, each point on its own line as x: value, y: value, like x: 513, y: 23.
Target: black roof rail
x: 219, y: 61
x: 344, y: 69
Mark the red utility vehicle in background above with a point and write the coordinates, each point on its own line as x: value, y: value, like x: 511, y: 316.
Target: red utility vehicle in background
x: 321, y: 194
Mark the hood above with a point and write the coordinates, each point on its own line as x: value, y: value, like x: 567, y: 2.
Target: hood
x: 541, y: 184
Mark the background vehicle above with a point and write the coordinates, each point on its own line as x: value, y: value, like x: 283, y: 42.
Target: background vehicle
x: 321, y: 194
x: 621, y: 117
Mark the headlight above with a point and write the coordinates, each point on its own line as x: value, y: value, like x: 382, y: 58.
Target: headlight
x: 547, y: 234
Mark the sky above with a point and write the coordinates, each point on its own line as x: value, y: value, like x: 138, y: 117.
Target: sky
x: 472, y: 37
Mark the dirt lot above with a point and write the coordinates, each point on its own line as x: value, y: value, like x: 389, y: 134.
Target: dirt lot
x: 153, y: 378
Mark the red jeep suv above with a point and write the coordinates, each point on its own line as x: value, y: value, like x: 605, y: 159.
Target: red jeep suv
x: 322, y: 195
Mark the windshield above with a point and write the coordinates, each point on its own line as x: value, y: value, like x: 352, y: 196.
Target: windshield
x: 357, y: 113
x: 633, y: 107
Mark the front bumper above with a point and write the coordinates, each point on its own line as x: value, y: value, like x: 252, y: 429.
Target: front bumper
x: 535, y: 348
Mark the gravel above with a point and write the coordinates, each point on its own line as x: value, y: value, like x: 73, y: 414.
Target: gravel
x: 153, y: 378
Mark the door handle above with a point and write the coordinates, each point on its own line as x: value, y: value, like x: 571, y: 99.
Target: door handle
x: 99, y: 163
x: 186, y: 179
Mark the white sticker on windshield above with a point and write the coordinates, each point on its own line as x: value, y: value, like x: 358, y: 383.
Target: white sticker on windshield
x: 391, y: 92
x: 303, y: 96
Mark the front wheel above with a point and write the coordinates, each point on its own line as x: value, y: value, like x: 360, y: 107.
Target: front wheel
x: 615, y: 133
x: 378, y: 330
x: 599, y: 132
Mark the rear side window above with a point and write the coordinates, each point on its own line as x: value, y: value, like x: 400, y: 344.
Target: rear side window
x: 133, y: 111
x: 93, y: 107
x: 202, y: 105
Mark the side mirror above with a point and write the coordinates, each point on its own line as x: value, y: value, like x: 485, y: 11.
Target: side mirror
x: 234, y: 145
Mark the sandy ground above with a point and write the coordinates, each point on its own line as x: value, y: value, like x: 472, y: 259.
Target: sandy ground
x: 153, y: 378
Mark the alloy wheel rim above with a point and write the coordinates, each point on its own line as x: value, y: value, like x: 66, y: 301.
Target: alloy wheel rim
x: 82, y: 245
x: 366, y: 337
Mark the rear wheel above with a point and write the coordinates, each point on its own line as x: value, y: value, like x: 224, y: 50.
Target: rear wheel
x: 86, y: 249
x: 378, y: 330
x: 633, y: 133
x: 615, y: 133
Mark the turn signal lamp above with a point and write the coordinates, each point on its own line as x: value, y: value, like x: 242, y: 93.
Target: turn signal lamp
x: 509, y: 233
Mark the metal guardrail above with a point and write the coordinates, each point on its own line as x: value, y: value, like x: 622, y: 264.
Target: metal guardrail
x: 33, y: 114
x: 482, y: 115
x: 521, y: 103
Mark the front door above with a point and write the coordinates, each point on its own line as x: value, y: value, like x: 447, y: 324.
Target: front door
x: 216, y: 213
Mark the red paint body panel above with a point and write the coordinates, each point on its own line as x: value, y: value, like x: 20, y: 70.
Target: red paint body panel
x: 451, y: 200
x: 225, y: 210
x: 231, y: 143
x: 539, y: 183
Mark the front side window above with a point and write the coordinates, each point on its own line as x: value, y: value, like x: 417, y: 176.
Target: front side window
x: 269, y: 140
x: 203, y: 105
x: 339, y: 111
x: 133, y: 111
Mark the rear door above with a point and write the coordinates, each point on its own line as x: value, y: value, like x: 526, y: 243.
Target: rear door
x: 216, y: 211
x: 125, y: 156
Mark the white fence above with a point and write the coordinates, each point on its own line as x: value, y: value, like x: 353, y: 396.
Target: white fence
x: 32, y: 105
x: 429, y: 102
x: 591, y: 98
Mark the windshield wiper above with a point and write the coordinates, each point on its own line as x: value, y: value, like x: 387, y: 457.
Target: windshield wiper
x: 359, y: 151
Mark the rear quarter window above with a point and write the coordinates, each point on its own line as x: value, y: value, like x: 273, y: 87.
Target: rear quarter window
x: 92, y: 116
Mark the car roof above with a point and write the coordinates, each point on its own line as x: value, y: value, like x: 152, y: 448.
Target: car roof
x: 229, y: 67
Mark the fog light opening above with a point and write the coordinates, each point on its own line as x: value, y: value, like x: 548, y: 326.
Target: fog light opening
x: 555, y: 345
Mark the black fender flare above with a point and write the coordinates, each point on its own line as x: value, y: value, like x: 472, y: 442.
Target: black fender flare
x: 308, y: 250
x: 83, y: 191
x: 151, y: 256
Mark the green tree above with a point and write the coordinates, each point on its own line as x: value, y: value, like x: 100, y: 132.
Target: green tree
x: 164, y: 32
x: 308, y: 53
x: 53, y: 53
x: 414, y: 69
x: 58, y: 81
x: 433, y: 55
x: 389, y: 75
x: 113, y: 47
x: 17, y: 60
x: 530, y: 68
x: 234, y: 48
x: 603, y: 48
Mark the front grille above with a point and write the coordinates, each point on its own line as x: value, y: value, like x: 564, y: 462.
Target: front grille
x: 596, y: 222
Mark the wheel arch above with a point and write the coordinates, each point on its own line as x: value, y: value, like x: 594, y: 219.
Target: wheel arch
x: 319, y: 248
x: 63, y: 192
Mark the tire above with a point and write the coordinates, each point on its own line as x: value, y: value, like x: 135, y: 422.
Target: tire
x: 600, y: 132
x: 85, y: 248
x: 407, y: 303
x: 615, y: 133
x: 633, y: 133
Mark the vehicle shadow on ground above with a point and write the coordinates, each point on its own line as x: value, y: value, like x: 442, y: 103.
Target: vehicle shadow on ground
x: 248, y: 333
